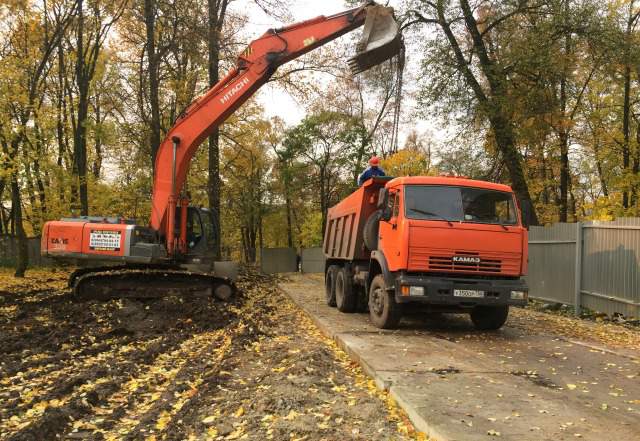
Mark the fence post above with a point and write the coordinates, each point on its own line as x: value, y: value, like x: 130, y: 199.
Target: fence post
x: 578, y: 282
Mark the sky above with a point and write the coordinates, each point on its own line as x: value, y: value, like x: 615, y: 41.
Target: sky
x: 274, y: 98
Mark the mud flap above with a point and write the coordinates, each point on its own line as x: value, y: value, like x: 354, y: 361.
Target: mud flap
x: 380, y: 39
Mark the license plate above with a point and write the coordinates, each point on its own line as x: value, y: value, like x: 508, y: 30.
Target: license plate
x: 467, y: 293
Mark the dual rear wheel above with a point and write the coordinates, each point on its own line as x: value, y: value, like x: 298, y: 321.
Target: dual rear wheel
x: 339, y: 289
x: 340, y: 292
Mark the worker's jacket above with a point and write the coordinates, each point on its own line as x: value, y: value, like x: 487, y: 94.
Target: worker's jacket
x: 369, y: 172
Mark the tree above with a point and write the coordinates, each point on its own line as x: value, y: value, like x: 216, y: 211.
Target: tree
x: 324, y: 141
x: 217, y: 11
x: 90, y: 38
x: 32, y: 39
x: 463, y: 38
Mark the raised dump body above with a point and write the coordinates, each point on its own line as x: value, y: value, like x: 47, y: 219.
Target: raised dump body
x: 445, y: 244
x: 343, y: 238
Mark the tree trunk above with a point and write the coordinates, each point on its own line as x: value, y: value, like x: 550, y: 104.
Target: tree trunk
x: 41, y: 189
x: 97, y: 163
x: 626, y: 105
x: 80, y: 134
x: 603, y: 182
x: 2, y: 220
x: 324, y: 196
x: 563, y: 131
x: 216, y: 16
x: 543, y: 177
x: 213, y: 190
x: 80, y: 150
x: 505, y: 140
x: 150, y: 7
x: 564, y: 175
x: 31, y: 194
x: 289, y: 225
x: 636, y: 169
x: 61, y: 119
x: 22, y: 257
x: 40, y: 151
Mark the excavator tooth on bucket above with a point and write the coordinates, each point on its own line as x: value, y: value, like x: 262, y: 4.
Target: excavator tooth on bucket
x: 380, y: 39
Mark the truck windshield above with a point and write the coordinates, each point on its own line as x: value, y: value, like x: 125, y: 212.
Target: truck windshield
x: 459, y: 204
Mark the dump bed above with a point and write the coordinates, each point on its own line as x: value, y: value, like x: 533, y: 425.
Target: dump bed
x: 345, y: 221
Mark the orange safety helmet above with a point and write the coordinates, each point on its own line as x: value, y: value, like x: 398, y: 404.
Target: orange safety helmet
x: 374, y: 161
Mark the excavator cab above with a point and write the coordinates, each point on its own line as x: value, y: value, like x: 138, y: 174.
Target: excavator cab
x: 200, y: 234
x: 201, y: 240
x: 381, y: 39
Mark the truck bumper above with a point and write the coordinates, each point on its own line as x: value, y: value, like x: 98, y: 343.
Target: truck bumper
x: 442, y: 291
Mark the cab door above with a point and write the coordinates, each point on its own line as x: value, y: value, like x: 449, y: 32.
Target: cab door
x: 389, y: 239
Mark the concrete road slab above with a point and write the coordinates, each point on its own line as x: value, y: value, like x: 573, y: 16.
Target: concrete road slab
x: 456, y: 383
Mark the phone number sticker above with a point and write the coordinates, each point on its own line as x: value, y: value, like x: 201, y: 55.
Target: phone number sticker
x: 104, y: 240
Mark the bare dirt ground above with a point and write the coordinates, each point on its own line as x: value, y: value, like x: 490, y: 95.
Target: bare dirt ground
x: 255, y: 368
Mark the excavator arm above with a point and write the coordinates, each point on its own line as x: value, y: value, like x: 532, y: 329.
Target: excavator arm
x: 254, y: 67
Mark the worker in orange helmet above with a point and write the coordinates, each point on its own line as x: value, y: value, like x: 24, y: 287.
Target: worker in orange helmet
x: 371, y: 171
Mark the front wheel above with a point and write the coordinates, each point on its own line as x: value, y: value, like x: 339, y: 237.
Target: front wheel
x: 489, y: 318
x: 384, y: 312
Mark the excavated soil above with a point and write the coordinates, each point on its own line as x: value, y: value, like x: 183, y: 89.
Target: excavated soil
x: 174, y: 368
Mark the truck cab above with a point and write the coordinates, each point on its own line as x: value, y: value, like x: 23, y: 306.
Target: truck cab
x: 440, y: 244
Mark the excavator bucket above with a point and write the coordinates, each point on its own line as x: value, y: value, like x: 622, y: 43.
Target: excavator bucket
x: 380, y: 39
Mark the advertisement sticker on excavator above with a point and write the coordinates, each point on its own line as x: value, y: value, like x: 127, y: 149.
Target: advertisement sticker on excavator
x: 104, y: 240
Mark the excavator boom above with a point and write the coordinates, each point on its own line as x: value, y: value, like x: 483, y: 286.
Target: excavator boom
x: 254, y: 67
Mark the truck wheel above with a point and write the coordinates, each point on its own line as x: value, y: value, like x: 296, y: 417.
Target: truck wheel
x: 330, y: 285
x: 371, y: 229
x: 346, y: 299
x: 489, y: 318
x: 384, y: 312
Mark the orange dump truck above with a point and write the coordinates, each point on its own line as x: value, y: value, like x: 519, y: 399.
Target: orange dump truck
x: 433, y: 244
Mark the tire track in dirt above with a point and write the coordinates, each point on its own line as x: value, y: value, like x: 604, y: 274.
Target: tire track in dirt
x: 102, y: 346
x: 71, y: 377
x: 203, y: 375
x: 110, y: 383
x: 113, y: 373
x: 180, y: 386
x: 175, y: 370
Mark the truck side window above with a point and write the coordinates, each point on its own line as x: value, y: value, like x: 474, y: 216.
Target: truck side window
x: 393, y: 204
x: 396, y: 205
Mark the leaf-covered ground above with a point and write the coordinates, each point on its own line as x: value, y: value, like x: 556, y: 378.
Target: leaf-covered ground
x: 255, y: 368
x: 614, y: 335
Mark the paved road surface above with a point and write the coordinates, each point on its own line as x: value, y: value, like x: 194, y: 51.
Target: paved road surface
x: 459, y: 384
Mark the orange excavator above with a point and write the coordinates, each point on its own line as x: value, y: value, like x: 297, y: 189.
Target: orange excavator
x: 173, y: 255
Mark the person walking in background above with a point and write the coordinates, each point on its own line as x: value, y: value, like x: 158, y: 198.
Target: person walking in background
x: 371, y: 171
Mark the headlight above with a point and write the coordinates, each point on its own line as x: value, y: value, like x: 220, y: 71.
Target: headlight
x: 518, y: 295
x: 416, y: 291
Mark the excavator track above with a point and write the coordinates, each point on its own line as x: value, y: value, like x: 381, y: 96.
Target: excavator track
x: 132, y: 282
